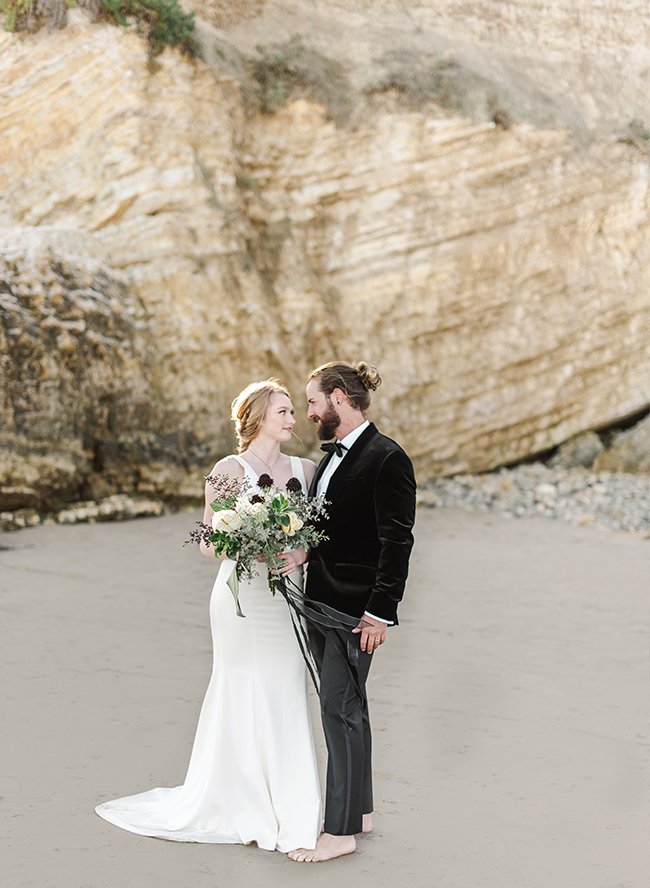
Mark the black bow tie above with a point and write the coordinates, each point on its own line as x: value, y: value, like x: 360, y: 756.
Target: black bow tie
x: 336, y: 448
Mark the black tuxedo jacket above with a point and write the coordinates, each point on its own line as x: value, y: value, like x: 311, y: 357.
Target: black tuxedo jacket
x: 363, y: 564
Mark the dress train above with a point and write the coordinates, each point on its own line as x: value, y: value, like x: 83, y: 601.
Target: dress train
x: 252, y: 775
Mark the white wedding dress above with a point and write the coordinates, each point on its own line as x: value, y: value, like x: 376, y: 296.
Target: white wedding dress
x: 252, y: 775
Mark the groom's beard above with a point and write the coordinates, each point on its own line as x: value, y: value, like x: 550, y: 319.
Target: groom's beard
x: 328, y: 422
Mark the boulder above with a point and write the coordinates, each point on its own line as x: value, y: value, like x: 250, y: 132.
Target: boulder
x: 580, y: 450
x: 628, y: 452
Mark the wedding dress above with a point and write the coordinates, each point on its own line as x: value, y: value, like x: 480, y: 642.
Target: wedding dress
x: 252, y: 775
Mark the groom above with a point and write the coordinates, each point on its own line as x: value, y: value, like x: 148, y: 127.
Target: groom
x: 360, y: 570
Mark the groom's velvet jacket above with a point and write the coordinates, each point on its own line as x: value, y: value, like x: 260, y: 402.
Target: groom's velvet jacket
x: 363, y: 564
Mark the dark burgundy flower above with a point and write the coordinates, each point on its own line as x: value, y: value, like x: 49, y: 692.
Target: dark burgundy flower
x: 256, y: 498
x: 264, y: 481
x: 294, y: 485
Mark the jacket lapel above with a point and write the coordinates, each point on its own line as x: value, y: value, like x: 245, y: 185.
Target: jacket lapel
x: 322, y: 465
x: 349, y: 460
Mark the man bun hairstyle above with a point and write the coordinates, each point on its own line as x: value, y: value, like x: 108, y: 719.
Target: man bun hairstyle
x: 356, y: 380
x: 369, y: 375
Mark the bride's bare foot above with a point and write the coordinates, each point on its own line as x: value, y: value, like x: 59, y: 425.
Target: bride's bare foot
x: 327, y: 847
x: 367, y: 823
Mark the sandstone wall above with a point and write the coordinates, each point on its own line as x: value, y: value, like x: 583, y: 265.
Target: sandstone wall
x: 144, y: 168
x: 76, y: 370
x: 499, y: 278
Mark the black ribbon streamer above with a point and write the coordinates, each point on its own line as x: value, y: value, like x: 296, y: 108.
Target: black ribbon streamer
x: 324, y: 619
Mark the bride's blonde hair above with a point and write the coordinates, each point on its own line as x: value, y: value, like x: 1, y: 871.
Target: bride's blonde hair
x: 249, y: 409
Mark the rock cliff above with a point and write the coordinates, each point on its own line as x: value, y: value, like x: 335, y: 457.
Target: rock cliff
x: 585, y: 61
x: 74, y: 368
x: 497, y: 274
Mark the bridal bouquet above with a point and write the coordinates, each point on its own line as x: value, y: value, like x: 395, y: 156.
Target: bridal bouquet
x: 250, y: 527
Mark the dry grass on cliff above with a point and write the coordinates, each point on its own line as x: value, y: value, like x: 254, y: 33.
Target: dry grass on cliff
x: 281, y: 72
x: 285, y: 70
x: 449, y: 84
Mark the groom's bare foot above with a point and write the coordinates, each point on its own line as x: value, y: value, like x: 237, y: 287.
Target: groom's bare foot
x: 327, y: 847
x: 367, y: 823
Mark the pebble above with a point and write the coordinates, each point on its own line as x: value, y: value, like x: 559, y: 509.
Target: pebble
x: 606, y: 500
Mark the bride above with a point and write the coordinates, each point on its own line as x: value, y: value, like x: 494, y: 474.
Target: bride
x: 252, y: 774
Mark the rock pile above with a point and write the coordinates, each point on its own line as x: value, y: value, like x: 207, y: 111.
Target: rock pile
x: 608, y: 500
x: 118, y: 507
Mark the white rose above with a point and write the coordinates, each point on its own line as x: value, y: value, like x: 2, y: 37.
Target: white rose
x: 226, y: 520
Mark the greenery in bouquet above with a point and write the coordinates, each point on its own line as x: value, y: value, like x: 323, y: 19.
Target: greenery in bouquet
x: 251, y: 527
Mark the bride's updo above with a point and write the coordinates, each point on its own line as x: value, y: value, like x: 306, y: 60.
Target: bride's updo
x: 249, y: 409
x: 356, y: 380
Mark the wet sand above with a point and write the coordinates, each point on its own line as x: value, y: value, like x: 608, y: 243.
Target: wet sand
x: 508, y: 710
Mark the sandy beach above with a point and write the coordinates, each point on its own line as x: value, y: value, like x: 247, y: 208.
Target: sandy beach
x: 508, y: 709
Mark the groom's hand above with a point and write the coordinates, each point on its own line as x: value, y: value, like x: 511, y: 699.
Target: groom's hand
x: 373, y: 633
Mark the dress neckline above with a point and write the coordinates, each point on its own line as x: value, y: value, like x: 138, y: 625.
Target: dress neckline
x: 296, y: 470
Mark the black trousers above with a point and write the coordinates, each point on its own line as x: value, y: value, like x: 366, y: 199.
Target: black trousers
x: 347, y: 731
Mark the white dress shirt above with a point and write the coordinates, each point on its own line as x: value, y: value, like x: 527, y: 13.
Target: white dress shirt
x: 332, y: 466
x: 336, y: 460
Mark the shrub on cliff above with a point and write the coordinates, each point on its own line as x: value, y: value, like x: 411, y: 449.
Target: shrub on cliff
x: 162, y: 22
x: 446, y: 83
x: 285, y: 69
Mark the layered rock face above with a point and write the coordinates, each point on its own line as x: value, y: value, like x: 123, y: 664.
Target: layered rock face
x: 81, y: 408
x: 498, y: 277
x: 141, y: 170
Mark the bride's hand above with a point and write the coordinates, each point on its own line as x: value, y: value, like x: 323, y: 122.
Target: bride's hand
x: 292, y: 561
